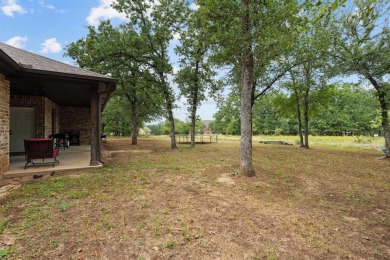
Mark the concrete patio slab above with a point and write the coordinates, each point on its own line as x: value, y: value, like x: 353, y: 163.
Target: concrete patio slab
x: 76, y: 157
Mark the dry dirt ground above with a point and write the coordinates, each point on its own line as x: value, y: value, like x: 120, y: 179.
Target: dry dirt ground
x: 150, y: 202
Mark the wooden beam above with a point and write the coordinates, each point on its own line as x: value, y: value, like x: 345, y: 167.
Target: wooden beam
x: 95, y: 122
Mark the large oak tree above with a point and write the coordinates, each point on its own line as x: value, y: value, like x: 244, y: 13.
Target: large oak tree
x: 362, y: 47
x: 120, y: 53
x: 157, y: 23
x: 247, y: 35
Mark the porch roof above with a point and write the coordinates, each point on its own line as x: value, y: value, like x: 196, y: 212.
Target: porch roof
x: 35, y: 75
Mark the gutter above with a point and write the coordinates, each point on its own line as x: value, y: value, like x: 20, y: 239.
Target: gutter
x: 65, y: 75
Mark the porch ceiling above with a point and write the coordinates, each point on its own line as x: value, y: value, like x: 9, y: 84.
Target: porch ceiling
x: 62, y: 91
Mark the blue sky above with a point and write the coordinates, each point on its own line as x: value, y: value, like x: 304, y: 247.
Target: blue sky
x: 45, y: 27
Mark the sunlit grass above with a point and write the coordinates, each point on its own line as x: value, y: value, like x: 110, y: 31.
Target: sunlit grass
x: 362, y: 142
x: 161, y: 201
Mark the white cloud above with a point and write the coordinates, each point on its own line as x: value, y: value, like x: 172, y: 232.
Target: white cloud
x: 50, y: 6
x: 9, y: 7
x: 176, y: 36
x: 51, y: 46
x: 17, y: 41
x: 194, y: 6
x: 103, y: 12
x: 175, y: 70
x: 182, y: 101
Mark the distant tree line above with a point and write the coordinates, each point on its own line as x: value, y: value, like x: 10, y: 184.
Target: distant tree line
x: 181, y: 127
x: 350, y: 110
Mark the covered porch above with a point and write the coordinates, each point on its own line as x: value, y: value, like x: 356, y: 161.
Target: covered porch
x: 42, y: 98
x: 74, y: 158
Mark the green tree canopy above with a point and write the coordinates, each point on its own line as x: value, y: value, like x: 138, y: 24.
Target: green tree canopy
x: 362, y: 46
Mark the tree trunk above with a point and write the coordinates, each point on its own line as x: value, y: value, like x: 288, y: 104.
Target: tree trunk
x: 306, y: 117
x: 385, y: 116
x: 131, y: 97
x: 194, y: 104
x: 308, y: 81
x: 299, y: 116
x: 134, y: 119
x: 172, y: 126
x: 301, y: 143
x: 134, y: 131
x: 253, y: 90
x: 246, y: 165
x: 193, y: 124
x: 168, y: 105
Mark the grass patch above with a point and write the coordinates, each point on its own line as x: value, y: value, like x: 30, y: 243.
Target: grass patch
x: 78, y: 194
x: 5, y: 252
x: 329, y: 202
x: 3, y: 225
x: 65, y: 205
x: 35, y: 214
x: 170, y: 244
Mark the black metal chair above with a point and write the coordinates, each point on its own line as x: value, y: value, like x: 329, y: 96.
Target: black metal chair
x: 61, y: 140
x: 103, y: 136
x: 74, y: 137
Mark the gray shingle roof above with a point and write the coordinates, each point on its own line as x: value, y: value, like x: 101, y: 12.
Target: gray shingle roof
x: 31, y: 61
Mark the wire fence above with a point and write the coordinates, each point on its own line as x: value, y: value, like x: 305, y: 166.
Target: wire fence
x: 199, y: 139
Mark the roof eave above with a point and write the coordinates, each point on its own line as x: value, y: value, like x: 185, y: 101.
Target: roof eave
x: 16, y: 67
x: 67, y: 75
x: 9, y: 61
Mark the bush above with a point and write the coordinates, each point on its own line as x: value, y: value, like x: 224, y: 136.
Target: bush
x: 363, y: 140
x: 278, y: 131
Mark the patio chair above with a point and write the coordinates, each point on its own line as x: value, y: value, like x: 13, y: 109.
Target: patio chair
x: 40, y: 148
x: 74, y: 137
x: 61, y: 140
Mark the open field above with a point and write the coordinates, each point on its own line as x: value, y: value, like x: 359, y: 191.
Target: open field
x: 360, y: 142
x: 332, y: 142
x: 150, y: 202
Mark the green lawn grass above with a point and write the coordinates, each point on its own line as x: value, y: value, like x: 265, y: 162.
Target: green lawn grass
x: 364, y: 142
x: 151, y: 202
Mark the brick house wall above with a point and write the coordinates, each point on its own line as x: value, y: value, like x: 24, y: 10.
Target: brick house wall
x: 4, y: 125
x: 67, y: 119
x: 33, y: 102
x: 44, y: 109
x: 52, y: 112
x: 73, y: 119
